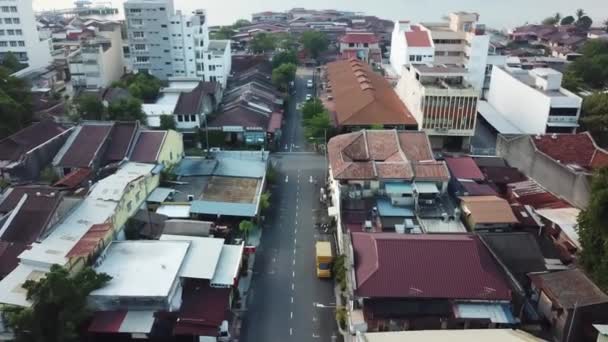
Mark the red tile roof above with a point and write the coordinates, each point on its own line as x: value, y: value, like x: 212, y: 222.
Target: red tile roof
x: 14, y: 146
x: 147, y: 147
x: 464, y: 168
x: 476, y: 189
x: 74, y: 178
x: 203, y: 308
x: 363, y: 97
x: 391, y: 265
x: 359, y: 38
x: 85, y: 147
x: 417, y: 38
x: 275, y: 122
x: 384, y: 154
x: 531, y: 193
x: 9, y: 256
x: 107, y: 321
x: 91, y: 240
x: 121, y: 139
x: 572, y: 149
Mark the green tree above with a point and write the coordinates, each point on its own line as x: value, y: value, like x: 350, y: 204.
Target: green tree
x: 584, y: 23
x: 126, y: 110
x: 224, y: 32
x: 88, y: 107
x: 48, y: 175
x: 593, y: 230
x: 141, y: 85
x: 595, y: 116
x: 315, y: 42
x: 265, y: 200
x: 318, y: 125
x: 579, y: 14
x: 592, y: 67
x: 262, y: 42
x: 284, y: 57
x: 11, y: 62
x: 58, y: 306
x: 167, y: 122
x: 283, y: 74
x: 568, y: 20
x: 310, y: 108
x: 240, y: 23
x: 550, y: 21
x: 285, y: 41
x: 16, y: 111
x: 245, y: 227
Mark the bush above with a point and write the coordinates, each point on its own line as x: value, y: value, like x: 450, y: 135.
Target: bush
x: 341, y: 317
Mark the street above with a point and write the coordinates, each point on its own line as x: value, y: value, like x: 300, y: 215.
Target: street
x: 286, y: 301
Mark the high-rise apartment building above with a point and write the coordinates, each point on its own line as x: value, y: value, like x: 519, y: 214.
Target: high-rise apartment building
x: 170, y: 44
x: 19, y: 35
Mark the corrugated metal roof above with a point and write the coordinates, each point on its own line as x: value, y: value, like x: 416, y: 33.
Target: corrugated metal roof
x: 426, y: 187
x: 159, y: 194
x: 227, y: 269
x: 194, y: 166
x: 223, y: 208
x: 202, y: 256
x: 398, y: 188
x: 496, y: 313
x: 386, y: 209
x: 463, y: 168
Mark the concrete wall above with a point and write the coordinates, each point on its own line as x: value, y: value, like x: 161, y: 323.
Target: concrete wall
x: 520, y: 153
x: 173, y: 148
x: 525, y: 107
x: 113, y: 65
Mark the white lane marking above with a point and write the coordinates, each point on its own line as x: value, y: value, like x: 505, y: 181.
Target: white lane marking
x: 290, y: 331
x: 295, y: 240
x: 292, y: 299
x: 291, y: 314
x: 296, y: 214
x: 315, y: 336
x: 292, y: 286
x: 286, y: 179
x: 294, y: 262
x: 293, y: 274
x: 296, y: 222
x: 311, y: 179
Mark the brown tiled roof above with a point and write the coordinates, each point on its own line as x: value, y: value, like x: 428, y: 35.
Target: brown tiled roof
x: 90, y: 241
x: 121, y: 139
x: 359, y: 37
x: 240, y: 115
x: 572, y: 149
x: 147, y: 147
x: 86, y: 145
x: 391, y: 265
x: 74, y: 178
x: 384, y: 154
x: 363, y: 97
x: 192, y: 102
x: 489, y: 209
x: 463, y: 168
x: 14, y: 146
x: 417, y: 38
x: 11, y: 197
x: 569, y: 288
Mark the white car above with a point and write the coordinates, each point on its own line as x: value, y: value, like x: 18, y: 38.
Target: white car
x: 309, y: 84
x: 308, y: 97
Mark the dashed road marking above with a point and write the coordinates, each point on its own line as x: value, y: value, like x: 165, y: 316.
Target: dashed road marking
x: 290, y: 331
x: 292, y: 286
x: 316, y: 336
x: 294, y: 261
x: 286, y: 179
x: 295, y: 240
x: 291, y: 299
x: 291, y: 314
x: 293, y: 274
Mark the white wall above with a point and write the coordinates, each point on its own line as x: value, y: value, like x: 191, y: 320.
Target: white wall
x: 113, y: 64
x: 478, y: 59
x: 525, y: 107
x: 411, y: 94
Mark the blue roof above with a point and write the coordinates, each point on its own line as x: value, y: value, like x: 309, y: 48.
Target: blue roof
x: 223, y: 208
x: 195, y: 167
x: 159, y: 194
x: 426, y: 187
x: 386, y: 209
x: 496, y: 312
x: 398, y: 188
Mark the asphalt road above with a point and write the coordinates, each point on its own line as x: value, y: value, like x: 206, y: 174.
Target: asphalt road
x: 286, y: 301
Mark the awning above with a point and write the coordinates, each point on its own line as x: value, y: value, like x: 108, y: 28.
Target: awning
x: 426, y: 188
x: 495, y: 312
x: 121, y: 321
x: 398, y: 188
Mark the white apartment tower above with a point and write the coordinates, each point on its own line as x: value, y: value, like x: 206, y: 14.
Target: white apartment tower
x: 19, y: 35
x: 460, y: 41
x: 175, y: 45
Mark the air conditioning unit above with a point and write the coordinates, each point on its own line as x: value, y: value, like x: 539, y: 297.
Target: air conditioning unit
x: 368, y: 226
x: 190, y: 198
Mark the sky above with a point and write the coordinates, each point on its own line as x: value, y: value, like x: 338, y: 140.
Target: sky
x: 499, y: 14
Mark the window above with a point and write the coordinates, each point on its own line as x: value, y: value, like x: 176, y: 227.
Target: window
x: 212, y: 68
x: 16, y: 21
x: 418, y: 58
x: 13, y: 43
x: 166, y: 51
x: 209, y: 57
x: 5, y: 9
x: 21, y: 43
x: 10, y: 32
x: 165, y: 38
x: 135, y: 10
x: 180, y: 118
x: 187, y: 118
x: 351, y: 44
x: 412, y: 58
x: 1, y: 32
x: 142, y: 59
x: 140, y: 47
x: 138, y: 34
x: 365, y: 45
x: 14, y: 9
x: 3, y: 43
x: 163, y: 25
x: 161, y: 9
x: 193, y: 118
x: 8, y: 20
x: 137, y: 22
x: 18, y: 32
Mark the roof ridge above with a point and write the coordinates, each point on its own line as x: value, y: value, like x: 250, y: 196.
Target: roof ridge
x: 365, y: 142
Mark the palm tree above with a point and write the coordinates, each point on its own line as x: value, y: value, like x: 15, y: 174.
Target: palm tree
x: 605, y: 25
x: 245, y: 227
x: 580, y: 13
x: 557, y: 17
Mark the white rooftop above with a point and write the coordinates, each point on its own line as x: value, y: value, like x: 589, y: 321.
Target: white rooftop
x: 227, y: 269
x: 202, y: 257
x: 494, y: 335
x: 496, y: 119
x: 11, y: 290
x: 112, y: 187
x: 440, y: 226
x: 566, y: 219
x: 174, y: 210
x: 141, y: 268
x: 165, y: 105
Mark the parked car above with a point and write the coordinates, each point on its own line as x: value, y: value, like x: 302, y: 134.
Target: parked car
x: 308, y: 97
x: 309, y: 84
